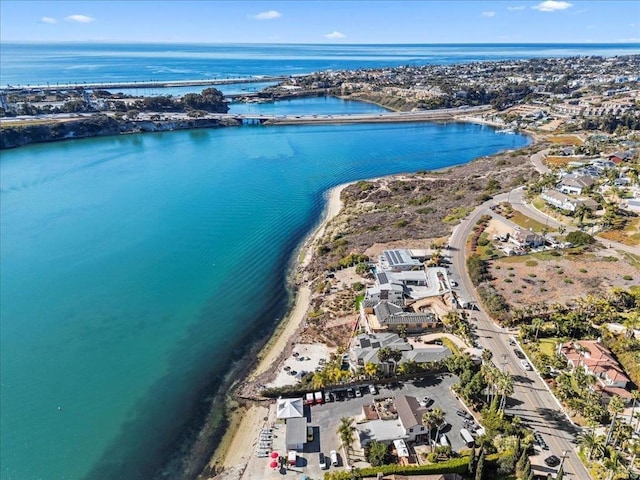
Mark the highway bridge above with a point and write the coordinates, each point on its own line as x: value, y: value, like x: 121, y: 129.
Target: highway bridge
x: 383, y: 117
x: 261, y: 119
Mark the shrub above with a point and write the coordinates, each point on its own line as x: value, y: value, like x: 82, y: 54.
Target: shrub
x: 627, y: 277
x: 583, y: 270
x: 580, y: 238
x: 531, y: 263
x: 401, y: 223
x: 567, y: 280
x: 508, y: 280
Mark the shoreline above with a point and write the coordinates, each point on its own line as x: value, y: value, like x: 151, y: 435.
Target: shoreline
x: 235, y: 450
x: 245, y: 421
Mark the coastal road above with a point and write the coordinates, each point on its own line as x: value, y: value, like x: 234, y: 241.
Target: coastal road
x: 531, y: 400
x: 519, y: 203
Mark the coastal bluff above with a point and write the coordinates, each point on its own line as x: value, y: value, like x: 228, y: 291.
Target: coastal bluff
x: 27, y: 133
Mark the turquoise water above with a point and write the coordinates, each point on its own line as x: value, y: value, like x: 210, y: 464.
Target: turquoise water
x: 134, y: 266
x: 306, y: 106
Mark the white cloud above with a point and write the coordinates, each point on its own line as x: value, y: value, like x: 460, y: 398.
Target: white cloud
x: 488, y: 14
x: 552, y: 6
x: 513, y: 9
x: 80, y: 19
x: 48, y: 20
x: 269, y: 15
x: 334, y: 35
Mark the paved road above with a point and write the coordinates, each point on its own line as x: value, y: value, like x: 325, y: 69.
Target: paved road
x: 531, y: 400
x: 519, y: 203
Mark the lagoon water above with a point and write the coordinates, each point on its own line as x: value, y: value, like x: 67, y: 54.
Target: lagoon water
x: 134, y: 268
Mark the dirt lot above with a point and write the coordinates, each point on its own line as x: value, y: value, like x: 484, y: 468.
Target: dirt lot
x: 542, y: 277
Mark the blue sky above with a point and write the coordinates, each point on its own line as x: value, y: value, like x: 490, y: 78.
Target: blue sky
x: 307, y: 21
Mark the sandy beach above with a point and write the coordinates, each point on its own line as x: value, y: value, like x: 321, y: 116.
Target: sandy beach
x: 236, y: 447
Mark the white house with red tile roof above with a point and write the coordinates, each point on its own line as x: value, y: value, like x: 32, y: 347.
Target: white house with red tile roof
x: 597, y: 360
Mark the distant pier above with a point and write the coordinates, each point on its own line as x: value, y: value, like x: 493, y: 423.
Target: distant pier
x: 142, y: 84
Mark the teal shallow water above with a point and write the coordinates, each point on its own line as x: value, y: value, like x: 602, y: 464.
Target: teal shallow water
x: 132, y: 266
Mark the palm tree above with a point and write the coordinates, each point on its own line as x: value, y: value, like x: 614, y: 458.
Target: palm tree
x: 371, y: 369
x: 438, y: 419
x: 592, y: 442
x: 537, y: 323
x: 487, y: 355
x: 615, y: 407
x: 505, y: 388
x: 429, y: 422
x: 580, y: 212
x: 613, y: 463
x: 345, y: 432
x: 396, y: 356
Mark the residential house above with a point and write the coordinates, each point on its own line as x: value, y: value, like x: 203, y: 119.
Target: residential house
x: 574, y: 184
x: 598, y: 361
x: 526, y: 238
x: 410, y: 414
x: 397, y: 260
x: 365, y: 349
x: 385, y: 316
x: 563, y: 202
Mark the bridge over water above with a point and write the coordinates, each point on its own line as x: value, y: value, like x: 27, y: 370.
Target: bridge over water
x: 384, y: 117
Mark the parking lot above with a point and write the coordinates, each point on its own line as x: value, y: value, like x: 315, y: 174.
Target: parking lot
x: 326, y: 418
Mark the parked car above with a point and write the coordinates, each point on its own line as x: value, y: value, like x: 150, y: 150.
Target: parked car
x: 373, y: 390
x: 518, y: 353
x: 322, y: 461
x: 309, y: 433
x: 358, y: 392
x: 350, y: 393
x: 512, y: 341
x: 463, y: 414
x: 525, y: 364
x: 425, y: 402
x: 552, y: 461
x: 334, y: 458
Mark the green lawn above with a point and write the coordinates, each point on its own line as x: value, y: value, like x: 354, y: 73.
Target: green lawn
x: 548, y: 345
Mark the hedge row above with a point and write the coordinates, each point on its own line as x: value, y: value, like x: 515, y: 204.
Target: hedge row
x: 455, y: 465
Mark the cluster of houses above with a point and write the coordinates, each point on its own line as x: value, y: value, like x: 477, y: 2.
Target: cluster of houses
x: 573, y: 189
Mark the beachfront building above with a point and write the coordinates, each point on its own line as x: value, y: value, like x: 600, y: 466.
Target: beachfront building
x: 365, y: 348
x: 385, y: 316
x: 396, y: 301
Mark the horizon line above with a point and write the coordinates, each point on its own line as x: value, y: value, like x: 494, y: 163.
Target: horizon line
x: 160, y: 42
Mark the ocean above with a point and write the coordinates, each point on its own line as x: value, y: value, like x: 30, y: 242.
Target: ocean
x: 136, y: 268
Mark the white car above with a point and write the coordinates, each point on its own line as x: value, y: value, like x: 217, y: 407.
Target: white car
x: 525, y: 364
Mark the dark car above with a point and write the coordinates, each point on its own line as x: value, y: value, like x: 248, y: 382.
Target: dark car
x: 552, y: 461
x: 518, y: 353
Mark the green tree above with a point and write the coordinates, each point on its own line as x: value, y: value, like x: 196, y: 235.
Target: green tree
x: 345, y: 432
x: 377, y: 453
x: 480, y: 467
x: 471, y: 468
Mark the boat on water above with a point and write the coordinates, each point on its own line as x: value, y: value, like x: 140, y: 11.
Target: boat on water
x: 506, y: 131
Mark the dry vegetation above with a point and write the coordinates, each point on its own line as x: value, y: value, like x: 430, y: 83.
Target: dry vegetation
x: 546, y: 278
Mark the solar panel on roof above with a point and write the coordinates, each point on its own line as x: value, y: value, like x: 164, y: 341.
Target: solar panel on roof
x: 365, y: 343
x: 375, y: 344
